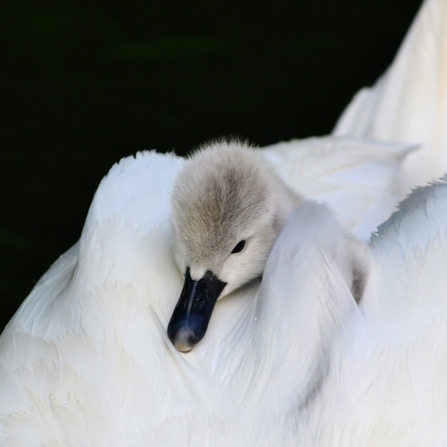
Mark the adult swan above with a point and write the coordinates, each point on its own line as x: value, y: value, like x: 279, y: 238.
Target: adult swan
x: 87, y: 360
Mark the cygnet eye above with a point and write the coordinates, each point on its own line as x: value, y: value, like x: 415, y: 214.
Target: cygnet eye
x: 239, y: 247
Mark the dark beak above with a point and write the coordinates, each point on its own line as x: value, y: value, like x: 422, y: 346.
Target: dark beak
x: 192, y: 313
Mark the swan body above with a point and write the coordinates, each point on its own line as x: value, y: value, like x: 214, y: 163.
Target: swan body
x: 88, y: 348
x: 86, y: 359
x: 386, y: 385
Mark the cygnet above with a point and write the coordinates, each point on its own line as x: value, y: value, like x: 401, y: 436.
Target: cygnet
x: 228, y: 207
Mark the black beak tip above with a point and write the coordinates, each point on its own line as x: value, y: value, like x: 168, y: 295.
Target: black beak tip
x: 185, y: 334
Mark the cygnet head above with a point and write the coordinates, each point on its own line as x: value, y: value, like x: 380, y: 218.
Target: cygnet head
x: 229, y: 206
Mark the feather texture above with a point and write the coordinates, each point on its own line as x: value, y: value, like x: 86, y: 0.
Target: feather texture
x: 86, y: 359
x: 409, y: 102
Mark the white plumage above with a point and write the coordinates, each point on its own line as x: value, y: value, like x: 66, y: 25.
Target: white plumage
x: 358, y: 177
x: 386, y: 385
x: 89, y: 349
x: 86, y: 359
x: 409, y: 102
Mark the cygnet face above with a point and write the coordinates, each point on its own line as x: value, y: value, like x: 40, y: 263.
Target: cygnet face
x: 228, y: 209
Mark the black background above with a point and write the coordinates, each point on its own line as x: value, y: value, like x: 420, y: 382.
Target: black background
x: 84, y: 83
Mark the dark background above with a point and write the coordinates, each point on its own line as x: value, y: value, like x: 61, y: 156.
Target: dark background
x: 84, y: 83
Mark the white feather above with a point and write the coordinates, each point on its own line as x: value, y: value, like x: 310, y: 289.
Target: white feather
x: 86, y: 360
x: 89, y: 349
x: 409, y: 102
x: 355, y: 176
x: 386, y: 384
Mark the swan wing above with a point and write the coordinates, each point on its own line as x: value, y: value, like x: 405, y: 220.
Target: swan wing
x: 75, y: 357
x: 409, y: 102
x: 354, y: 176
x: 386, y: 384
x: 86, y: 359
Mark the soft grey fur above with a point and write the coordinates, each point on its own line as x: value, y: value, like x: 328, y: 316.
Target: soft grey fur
x: 228, y: 193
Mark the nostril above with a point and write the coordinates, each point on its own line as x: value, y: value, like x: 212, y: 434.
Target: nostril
x: 200, y: 300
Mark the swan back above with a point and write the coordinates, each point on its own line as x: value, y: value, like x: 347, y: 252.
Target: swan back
x: 387, y: 376
x: 97, y: 322
x: 411, y: 245
x: 356, y: 176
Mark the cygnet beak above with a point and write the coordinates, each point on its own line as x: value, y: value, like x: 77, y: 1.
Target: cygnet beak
x: 192, y: 313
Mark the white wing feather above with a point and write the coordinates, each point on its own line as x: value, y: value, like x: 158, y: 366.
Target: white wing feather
x: 409, y: 102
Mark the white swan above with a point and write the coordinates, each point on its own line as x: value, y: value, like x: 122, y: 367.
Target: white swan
x: 86, y: 360
x: 88, y: 348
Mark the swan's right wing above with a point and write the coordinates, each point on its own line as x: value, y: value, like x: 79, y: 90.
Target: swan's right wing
x: 386, y: 383
x: 410, y: 257
x: 409, y: 102
x: 354, y: 176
